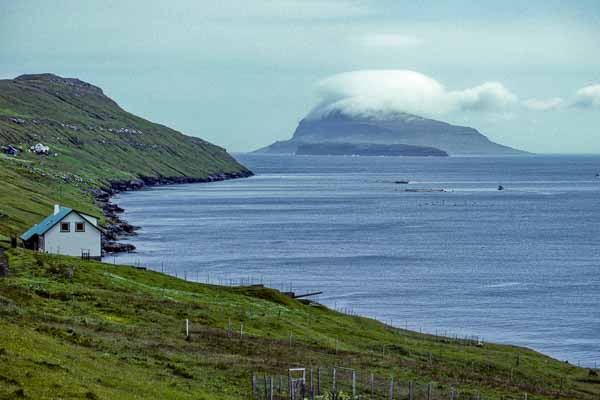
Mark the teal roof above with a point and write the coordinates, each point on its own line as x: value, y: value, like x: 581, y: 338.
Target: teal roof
x: 46, y: 224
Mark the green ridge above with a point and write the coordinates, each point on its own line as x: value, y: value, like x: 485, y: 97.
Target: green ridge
x: 113, y: 332
x: 95, y: 141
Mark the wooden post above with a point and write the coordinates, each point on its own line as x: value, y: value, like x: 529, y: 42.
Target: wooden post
x: 290, y: 394
x: 266, y: 388
x: 333, y: 389
x: 391, y: 394
x: 353, y: 385
x: 429, y: 388
x: 312, y: 385
x: 318, y: 381
x: 187, y: 328
x: 290, y: 339
x: 372, y: 383
x: 253, y: 385
x: 241, y: 330
x: 410, y: 390
x: 280, y: 385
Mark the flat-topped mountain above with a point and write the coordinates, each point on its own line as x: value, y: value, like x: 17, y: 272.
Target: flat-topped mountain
x: 390, y: 128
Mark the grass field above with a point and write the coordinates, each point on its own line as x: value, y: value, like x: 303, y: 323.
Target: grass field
x: 81, y: 329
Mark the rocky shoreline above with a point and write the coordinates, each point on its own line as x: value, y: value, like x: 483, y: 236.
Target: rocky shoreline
x: 116, y: 227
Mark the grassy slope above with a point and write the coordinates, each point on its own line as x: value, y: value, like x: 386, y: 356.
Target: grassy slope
x: 117, y: 332
x: 89, y: 155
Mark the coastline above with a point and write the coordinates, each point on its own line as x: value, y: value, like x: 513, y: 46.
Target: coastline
x: 117, y: 228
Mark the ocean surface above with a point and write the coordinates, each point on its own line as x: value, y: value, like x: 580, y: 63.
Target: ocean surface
x: 519, y: 266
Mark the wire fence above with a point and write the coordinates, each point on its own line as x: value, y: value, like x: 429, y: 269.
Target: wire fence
x: 340, y: 383
x: 435, y: 335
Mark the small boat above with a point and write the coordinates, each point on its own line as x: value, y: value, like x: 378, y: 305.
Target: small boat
x: 500, y: 187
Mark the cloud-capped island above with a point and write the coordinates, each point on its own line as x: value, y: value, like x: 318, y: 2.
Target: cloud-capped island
x: 378, y: 113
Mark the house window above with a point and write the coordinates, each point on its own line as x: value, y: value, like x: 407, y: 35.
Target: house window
x: 65, y: 227
x: 79, y: 227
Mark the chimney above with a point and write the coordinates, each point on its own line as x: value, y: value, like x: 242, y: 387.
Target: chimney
x: 56, y: 209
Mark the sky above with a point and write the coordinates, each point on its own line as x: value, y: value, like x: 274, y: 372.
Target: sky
x: 242, y: 74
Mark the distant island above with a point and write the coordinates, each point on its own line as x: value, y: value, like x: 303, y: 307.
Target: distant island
x: 368, y: 149
x: 396, y: 128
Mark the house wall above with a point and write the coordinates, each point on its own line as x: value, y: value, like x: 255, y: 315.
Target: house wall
x: 71, y: 243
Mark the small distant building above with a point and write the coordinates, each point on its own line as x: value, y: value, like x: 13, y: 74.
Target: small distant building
x: 10, y: 150
x: 68, y: 232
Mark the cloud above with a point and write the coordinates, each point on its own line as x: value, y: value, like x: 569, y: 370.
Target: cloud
x: 544, y: 104
x: 382, y: 92
x: 490, y: 96
x: 587, y: 97
x: 390, y: 40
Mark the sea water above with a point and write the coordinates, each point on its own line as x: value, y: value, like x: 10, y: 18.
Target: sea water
x: 519, y: 265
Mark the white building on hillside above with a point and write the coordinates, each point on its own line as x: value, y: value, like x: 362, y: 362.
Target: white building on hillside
x: 68, y: 232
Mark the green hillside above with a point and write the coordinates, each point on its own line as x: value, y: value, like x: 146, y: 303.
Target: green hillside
x: 92, y: 142
x: 75, y: 329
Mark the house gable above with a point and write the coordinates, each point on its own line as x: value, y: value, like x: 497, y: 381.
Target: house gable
x: 72, y: 241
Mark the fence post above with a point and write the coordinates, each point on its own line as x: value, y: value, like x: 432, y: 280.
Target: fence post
x: 312, y: 386
x: 271, y: 389
x: 353, y: 385
x: 253, y: 385
x: 410, y: 390
x: 266, y: 387
x: 290, y: 394
x: 187, y: 328
x: 372, y: 379
x: 318, y: 381
x: 429, y: 388
x: 333, y: 385
x: 241, y: 330
x: 391, y: 394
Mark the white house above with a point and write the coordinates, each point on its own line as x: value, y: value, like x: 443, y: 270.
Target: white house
x: 68, y: 232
